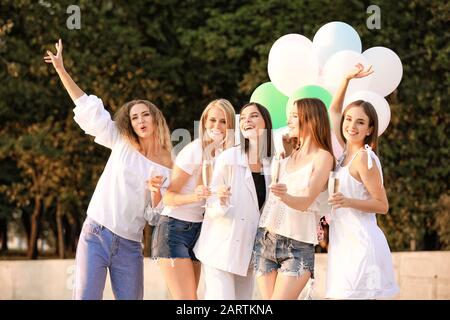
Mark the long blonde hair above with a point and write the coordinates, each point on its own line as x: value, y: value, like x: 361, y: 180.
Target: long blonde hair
x: 227, y: 108
x: 161, y: 132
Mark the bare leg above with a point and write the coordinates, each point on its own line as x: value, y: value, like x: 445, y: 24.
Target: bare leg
x: 180, y: 277
x: 266, y: 284
x: 197, y: 271
x: 289, y: 287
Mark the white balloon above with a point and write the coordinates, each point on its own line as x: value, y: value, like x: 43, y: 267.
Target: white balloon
x: 388, y: 70
x: 292, y: 63
x: 334, y: 37
x: 339, y: 65
x: 379, y: 103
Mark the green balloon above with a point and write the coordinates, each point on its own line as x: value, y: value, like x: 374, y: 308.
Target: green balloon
x: 268, y: 96
x: 311, y: 91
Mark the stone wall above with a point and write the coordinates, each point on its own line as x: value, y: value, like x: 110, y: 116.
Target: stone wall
x: 420, y: 275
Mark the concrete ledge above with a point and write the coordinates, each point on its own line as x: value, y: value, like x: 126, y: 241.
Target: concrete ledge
x: 420, y: 275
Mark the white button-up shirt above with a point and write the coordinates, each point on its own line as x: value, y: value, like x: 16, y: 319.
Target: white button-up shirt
x: 228, y: 233
x: 121, y: 193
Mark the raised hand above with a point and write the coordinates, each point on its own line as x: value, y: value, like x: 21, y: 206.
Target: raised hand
x: 56, y: 60
x: 359, y: 72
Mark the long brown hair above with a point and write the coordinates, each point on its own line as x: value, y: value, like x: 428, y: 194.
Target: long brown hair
x: 161, y: 130
x: 312, y: 114
x: 369, y: 110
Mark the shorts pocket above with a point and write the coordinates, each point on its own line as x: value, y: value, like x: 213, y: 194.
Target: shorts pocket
x: 179, y: 225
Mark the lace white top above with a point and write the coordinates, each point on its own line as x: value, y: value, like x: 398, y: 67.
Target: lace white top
x: 278, y: 218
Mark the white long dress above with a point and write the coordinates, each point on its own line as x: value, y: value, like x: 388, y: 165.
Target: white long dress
x: 359, y: 259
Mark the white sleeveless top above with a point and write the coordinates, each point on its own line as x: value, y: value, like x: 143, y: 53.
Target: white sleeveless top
x: 283, y: 220
x: 359, y: 260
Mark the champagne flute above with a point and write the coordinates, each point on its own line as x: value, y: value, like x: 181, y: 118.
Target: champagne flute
x: 275, y: 172
x: 150, y: 212
x: 276, y: 162
x: 207, y: 173
x: 333, y: 185
x: 229, y: 176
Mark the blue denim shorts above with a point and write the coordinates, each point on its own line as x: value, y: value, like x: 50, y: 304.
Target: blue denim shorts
x: 174, y: 238
x: 288, y: 256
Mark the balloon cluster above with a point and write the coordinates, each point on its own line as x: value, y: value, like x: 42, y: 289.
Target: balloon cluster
x: 301, y: 68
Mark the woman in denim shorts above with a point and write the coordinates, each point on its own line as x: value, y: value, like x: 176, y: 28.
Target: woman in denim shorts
x: 179, y: 225
x: 286, y: 237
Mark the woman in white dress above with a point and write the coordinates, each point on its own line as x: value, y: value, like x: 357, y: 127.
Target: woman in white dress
x: 111, y: 236
x: 359, y: 259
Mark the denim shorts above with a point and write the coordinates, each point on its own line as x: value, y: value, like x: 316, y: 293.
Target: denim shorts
x: 288, y: 256
x: 174, y: 238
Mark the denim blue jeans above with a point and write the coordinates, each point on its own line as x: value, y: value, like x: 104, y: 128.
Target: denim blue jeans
x: 100, y: 250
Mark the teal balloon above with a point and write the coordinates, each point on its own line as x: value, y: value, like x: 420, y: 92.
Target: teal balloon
x: 268, y: 96
x: 311, y: 91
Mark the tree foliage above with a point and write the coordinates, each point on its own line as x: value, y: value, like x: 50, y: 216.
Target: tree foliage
x: 182, y: 54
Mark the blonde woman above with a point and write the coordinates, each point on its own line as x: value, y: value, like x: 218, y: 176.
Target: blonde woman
x: 181, y: 219
x: 112, y: 232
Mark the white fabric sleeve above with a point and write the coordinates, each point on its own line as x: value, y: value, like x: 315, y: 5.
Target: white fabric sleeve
x: 190, y: 157
x: 91, y: 116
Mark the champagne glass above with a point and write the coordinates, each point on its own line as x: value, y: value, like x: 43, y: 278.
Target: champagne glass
x: 151, y: 214
x: 228, y: 172
x: 333, y: 185
x: 207, y: 173
x: 275, y: 172
x: 276, y: 162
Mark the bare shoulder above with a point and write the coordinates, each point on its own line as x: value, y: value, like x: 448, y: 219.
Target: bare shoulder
x: 361, y: 162
x: 324, y: 155
x: 166, y: 159
x: 324, y: 158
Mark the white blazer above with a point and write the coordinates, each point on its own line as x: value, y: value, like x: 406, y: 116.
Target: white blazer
x: 228, y: 233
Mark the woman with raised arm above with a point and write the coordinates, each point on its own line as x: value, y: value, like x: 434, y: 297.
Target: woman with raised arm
x: 359, y: 259
x: 241, y: 178
x: 112, y: 232
x: 180, y: 221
